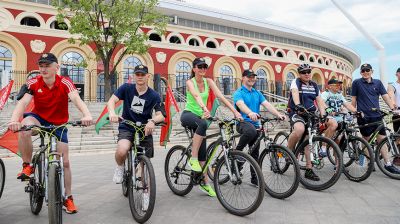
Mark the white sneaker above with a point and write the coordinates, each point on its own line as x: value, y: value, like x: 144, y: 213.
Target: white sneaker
x: 118, y: 174
x: 146, y: 200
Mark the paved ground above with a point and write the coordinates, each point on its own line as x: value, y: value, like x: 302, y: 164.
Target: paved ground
x: 376, y: 200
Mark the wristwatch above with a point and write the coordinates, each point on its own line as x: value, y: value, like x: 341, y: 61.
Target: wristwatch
x: 152, y: 121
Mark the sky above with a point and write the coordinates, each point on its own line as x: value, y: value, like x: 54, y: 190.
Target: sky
x: 380, y: 18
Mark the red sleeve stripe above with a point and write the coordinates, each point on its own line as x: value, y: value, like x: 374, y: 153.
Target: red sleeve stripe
x: 31, y: 82
x: 69, y: 85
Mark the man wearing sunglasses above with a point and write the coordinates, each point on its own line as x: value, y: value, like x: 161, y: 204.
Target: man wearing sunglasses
x: 365, y: 94
x: 303, y: 93
x: 139, y: 103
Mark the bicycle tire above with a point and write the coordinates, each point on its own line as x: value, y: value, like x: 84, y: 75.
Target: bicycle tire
x: 379, y: 159
x: 280, y: 139
x: 2, y: 176
x: 214, y: 161
x: 36, y: 193
x: 336, y: 170
x: 258, y: 189
x: 178, y: 170
x: 55, y: 202
x: 125, y: 179
x: 286, y: 156
x: 349, y: 170
x: 136, y: 207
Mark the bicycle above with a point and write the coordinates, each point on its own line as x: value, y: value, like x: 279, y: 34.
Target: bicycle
x: 279, y: 181
x: 388, y: 143
x: 2, y: 177
x: 47, y: 182
x: 139, y: 178
x: 231, y: 173
x: 328, y: 171
x: 358, y: 156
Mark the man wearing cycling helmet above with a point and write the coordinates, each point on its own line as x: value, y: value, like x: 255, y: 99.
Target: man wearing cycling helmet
x: 303, y: 93
x: 365, y: 94
x: 248, y: 101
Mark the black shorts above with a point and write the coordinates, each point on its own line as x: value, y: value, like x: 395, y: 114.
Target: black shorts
x: 298, y: 118
x: 367, y: 131
x: 396, y: 124
x: 147, y: 142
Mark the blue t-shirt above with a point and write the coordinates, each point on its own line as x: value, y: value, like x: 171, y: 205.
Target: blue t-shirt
x: 307, y: 95
x: 368, y: 95
x: 137, y: 107
x: 253, y: 99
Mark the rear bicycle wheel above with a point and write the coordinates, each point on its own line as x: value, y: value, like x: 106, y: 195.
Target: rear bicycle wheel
x: 384, y: 147
x: 280, y: 170
x: 36, y: 193
x: 2, y: 177
x: 142, y: 191
x: 327, y: 171
x: 358, y: 159
x: 243, y: 193
x: 177, y: 170
x: 54, y: 194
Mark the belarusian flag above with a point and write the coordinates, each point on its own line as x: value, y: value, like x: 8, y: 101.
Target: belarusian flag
x: 171, y: 107
x: 5, y: 93
x: 102, y: 120
x: 212, y: 104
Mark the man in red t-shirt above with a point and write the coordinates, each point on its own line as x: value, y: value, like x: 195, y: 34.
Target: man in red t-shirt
x: 50, y: 93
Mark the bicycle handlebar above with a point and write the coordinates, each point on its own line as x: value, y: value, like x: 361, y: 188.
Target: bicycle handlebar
x: 50, y: 127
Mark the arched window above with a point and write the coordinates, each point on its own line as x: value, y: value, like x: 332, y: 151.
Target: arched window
x: 226, y: 80
x: 261, y: 83
x: 194, y: 42
x: 155, y: 37
x: 241, y: 49
x: 312, y: 59
x: 182, y: 72
x: 255, y: 51
x: 279, y: 54
x: 129, y: 66
x: 320, y: 61
x: 100, y: 88
x: 211, y: 44
x: 268, y: 52
x: 301, y: 58
x: 30, y: 21
x: 5, y: 65
x: 289, y: 78
x: 71, y: 66
x: 175, y: 40
x: 58, y: 26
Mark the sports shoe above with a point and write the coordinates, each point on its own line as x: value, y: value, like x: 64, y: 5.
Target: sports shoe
x: 392, y: 169
x: 27, y: 171
x: 396, y: 161
x: 118, y: 174
x: 195, y: 165
x: 309, y: 174
x: 208, y: 190
x: 145, y: 201
x: 69, y: 206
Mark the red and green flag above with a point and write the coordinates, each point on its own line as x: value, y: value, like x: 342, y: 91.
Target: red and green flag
x: 171, y: 108
x: 212, y: 104
x: 5, y: 93
x: 102, y: 120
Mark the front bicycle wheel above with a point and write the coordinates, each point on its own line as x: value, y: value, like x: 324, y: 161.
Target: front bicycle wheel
x: 280, y: 170
x: 2, y: 176
x: 54, y: 194
x: 281, y: 138
x: 327, y: 172
x: 142, y: 190
x: 125, y: 179
x: 382, y: 149
x: 218, y: 150
x: 357, y: 158
x: 177, y: 170
x: 36, y: 184
x: 243, y: 193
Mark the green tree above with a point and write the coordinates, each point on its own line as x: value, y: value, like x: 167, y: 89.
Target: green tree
x: 111, y: 25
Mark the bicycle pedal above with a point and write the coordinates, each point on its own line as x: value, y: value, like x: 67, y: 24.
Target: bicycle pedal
x: 28, y: 189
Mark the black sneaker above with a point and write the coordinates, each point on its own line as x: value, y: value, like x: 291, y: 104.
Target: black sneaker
x: 309, y: 174
x: 392, y: 169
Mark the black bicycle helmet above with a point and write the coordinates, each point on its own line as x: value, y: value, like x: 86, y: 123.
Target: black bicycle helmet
x: 304, y: 67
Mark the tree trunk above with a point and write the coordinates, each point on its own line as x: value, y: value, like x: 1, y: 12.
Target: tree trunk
x: 107, y: 81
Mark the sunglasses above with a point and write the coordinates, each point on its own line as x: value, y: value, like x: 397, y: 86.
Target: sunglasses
x: 365, y: 70
x: 202, y: 66
x: 305, y: 72
x: 140, y: 74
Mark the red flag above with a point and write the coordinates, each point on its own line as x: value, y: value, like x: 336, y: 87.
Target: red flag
x: 4, y: 93
x: 10, y: 139
x: 212, y: 104
x: 171, y: 107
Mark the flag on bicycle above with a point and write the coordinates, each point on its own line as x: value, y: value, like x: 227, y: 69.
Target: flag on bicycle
x: 102, y: 120
x: 5, y: 93
x: 212, y: 104
x: 9, y: 140
x: 171, y: 107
